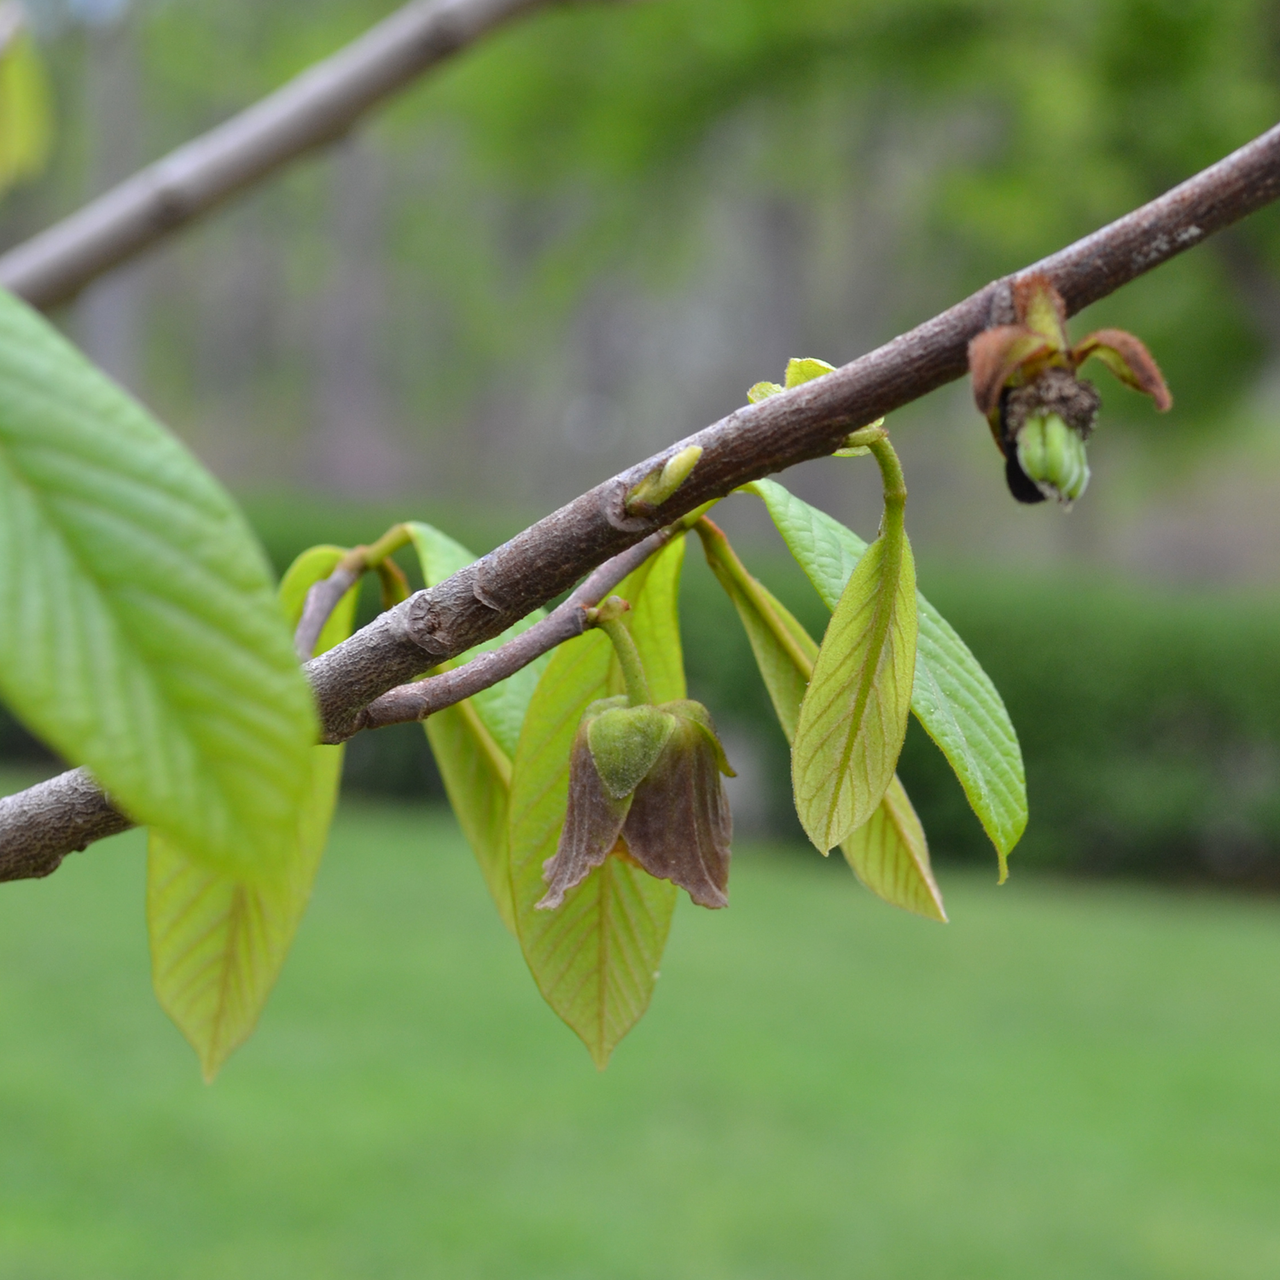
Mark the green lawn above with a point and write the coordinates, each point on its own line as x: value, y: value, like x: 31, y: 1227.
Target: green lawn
x: 1068, y: 1081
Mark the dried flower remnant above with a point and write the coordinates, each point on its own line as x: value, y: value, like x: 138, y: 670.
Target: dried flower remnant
x: 644, y: 785
x: 1040, y: 412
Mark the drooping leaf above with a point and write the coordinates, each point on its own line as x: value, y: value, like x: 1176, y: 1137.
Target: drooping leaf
x: 953, y: 697
x: 218, y: 942
x: 595, y: 957
x: 139, y: 631
x: 853, y: 719
x: 784, y: 651
x: 889, y: 853
x: 474, y: 741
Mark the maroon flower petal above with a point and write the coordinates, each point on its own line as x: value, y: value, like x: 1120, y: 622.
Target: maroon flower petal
x: 591, y: 827
x: 1128, y: 358
x: 679, y: 826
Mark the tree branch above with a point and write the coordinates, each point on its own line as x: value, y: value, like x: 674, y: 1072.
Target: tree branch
x: 314, y: 108
x: 810, y: 421
x: 416, y: 701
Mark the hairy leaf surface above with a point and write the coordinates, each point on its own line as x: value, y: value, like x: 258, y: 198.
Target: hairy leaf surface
x: 854, y: 715
x: 595, y: 958
x: 218, y: 942
x: 139, y: 630
x: 474, y: 741
x: 953, y: 697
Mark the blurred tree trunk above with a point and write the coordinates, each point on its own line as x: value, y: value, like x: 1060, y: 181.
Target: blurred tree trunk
x: 356, y: 453
x: 110, y: 314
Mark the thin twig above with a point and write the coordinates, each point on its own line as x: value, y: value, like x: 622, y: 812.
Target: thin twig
x: 314, y: 108
x: 323, y: 596
x: 422, y: 698
x: 811, y: 421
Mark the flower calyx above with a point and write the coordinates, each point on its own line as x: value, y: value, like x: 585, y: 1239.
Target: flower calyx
x: 1040, y: 412
x: 644, y: 786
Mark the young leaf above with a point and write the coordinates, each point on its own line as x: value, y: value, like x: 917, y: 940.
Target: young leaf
x: 473, y: 742
x: 595, y: 957
x: 889, y: 854
x: 218, y: 943
x: 952, y: 697
x: 139, y: 631
x: 854, y: 716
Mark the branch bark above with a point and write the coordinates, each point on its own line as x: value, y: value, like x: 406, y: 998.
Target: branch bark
x: 810, y: 421
x: 314, y: 108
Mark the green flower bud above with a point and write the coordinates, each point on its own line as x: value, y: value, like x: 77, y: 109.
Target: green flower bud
x: 1052, y: 455
x: 625, y: 742
x: 644, y: 784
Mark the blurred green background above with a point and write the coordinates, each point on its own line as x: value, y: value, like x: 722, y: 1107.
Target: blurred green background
x: 579, y: 242
x: 1066, y: 1081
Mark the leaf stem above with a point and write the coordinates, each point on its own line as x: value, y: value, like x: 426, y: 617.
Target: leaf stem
x: 733, y: 576
x: 608, y: 617
x: 895, y: 484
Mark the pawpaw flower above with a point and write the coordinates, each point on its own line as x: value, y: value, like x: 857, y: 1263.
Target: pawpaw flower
x: 644, y: 785
x: 1040, y: 412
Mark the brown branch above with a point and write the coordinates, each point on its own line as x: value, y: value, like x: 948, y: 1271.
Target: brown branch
x: 314, y: 108
x: 416, y: 701
x: 41, y: 825
x: 810, y: 421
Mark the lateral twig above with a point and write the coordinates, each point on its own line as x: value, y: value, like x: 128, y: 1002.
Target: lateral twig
x: 422, y: 698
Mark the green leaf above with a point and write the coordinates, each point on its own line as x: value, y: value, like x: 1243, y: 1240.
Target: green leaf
x: 139, y: 632
x: 26, y: 121
x: 218, y: 943
x: 477, y: 779
x: 805, y: 369
x: 889, y: 853
x: 854, y: 715
x: 595, y: 958
x: 473, y: 742
x: 953, y: 697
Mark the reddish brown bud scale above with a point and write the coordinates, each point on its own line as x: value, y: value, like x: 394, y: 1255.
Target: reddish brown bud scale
x: 1024, y: 365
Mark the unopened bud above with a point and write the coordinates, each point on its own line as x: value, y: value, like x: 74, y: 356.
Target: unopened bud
x: 1052, y: 456
x: 644, y: 783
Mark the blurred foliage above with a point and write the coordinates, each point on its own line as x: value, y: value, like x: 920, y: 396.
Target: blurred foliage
x: 577, y: 144
x: 25, y: 112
